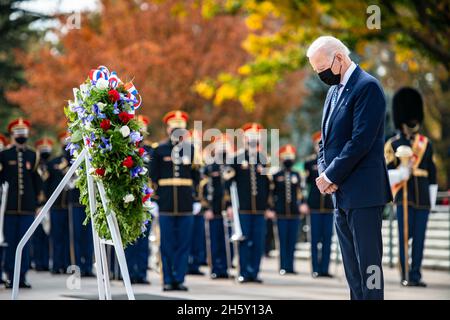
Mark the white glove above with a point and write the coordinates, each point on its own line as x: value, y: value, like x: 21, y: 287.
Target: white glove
x: 196, y: 207
x: 398, y: 175
x: 46, y: 224
x: 433, y: 188
x: 155, y: 209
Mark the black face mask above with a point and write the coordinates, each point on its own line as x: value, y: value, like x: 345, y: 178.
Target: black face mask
x: 21, y: 140
x: 328, y: 77
x: 45, y: 155
x: 288, y: 164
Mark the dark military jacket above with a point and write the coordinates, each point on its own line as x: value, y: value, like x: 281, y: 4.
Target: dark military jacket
x: 214, y: 195
x: 174, y: 183
x: 18, y: 167
x: 317, y: 202
x: 253, y: 185
x: 287, y: 194
x: 423, y: 173
x: 57, y: 169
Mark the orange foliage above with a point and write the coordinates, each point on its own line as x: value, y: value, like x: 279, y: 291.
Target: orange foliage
x: 166, y: 55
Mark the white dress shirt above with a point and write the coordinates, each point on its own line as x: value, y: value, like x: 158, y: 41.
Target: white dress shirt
x: 344, y: 81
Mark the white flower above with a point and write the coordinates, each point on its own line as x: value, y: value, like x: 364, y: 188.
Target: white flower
x: 84, y: 90
x: 91, y: 171
x: 128, y: 198
x: 143, y: 171
x: 102, y: 84
x: 125, y: 131
x: 101, y: 105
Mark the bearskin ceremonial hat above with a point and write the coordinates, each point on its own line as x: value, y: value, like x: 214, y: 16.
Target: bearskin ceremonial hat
x: 407, y: 106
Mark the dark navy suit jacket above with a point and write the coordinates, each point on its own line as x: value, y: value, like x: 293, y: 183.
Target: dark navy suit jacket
x: 352, y: 150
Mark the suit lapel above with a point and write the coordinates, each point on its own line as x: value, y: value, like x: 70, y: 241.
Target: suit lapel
x: 343, y: 97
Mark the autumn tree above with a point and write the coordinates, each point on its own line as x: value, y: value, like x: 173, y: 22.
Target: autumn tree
x: 15, y: 35
x: 166, y: 48
x: 410, y: 46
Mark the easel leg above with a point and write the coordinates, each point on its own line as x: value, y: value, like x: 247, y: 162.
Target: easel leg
x: 97, y: 252
x: 115, y: 235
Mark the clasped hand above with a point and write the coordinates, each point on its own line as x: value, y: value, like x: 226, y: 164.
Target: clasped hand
x: 325, y: 186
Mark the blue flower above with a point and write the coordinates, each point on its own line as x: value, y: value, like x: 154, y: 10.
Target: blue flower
x: 105, y: 145
x: 116, y: 109
x: 135, y: 137
x: 81, y: 112
x: 147, y: 190
x: 98, y: 113
x: 72, y: 147
x: 135, y: 171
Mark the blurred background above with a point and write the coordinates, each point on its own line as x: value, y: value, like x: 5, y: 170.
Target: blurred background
x: 223, y: 61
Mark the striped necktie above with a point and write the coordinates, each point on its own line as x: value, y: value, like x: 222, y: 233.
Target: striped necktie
x: 334, y: 98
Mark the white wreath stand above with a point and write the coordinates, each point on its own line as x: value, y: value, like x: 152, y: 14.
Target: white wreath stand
x: 104, y: 290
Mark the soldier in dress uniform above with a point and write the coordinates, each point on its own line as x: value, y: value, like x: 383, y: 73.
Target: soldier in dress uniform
x: 41, y: 241
x: 215, y: 198
x: 197, y: 255
x: 174, y: 177
x: 253, y: 185
x: 287, y: 199
x: 137, y: 254
x: 3, y: 145
x: 60, y: 231
x: 18, y: 167
x: 321, y: 209
x: 422, y: 187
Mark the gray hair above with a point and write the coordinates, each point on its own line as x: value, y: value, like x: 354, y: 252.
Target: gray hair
x: 329, y: 44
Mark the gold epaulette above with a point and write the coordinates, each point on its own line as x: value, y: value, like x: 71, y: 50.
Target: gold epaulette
x: 154, y: 145
x: 389, y: 153
x: 203, y: 182
x: 228, y: 173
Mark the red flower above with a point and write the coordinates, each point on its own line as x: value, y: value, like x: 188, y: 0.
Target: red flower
x: 105, y: 124
x: 125, y: 117
x: 128, y: 162
x: 113, y: 95
x: 100, y: 171
x: 141, y: 151
x: 146, y: 197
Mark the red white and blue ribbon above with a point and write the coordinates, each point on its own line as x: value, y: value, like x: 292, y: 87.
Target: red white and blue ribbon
x: 102, y: 72
x: 132, y: 92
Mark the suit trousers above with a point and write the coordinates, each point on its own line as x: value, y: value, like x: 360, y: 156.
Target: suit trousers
x: 360, y: 240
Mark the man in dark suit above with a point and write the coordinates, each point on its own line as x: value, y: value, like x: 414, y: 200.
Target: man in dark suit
x: 351, y: 163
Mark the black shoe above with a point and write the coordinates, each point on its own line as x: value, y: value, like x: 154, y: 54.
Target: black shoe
x: 88, y: 274
x: 292, y: 272
x: 142, y: 281
x: 315, y: 274
x: 24, y: 285
x: 325, y: 275
x: 219, y: 276
x: 169, y: 287
x: 41, y: 269
x: 195, y: 273
x: 8, y: 284
x: 181, y: 287
x: 58, y: 271
x: 241, y: 279
x: 419, y: 284
x: 257, y: 280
